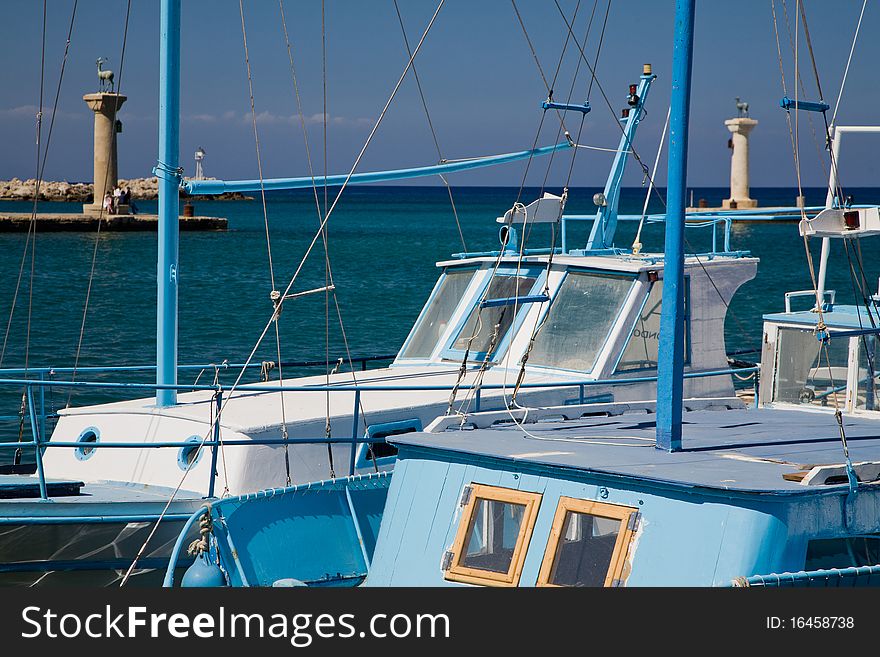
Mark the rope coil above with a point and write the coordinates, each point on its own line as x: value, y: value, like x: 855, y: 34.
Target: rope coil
x: 202, y: 544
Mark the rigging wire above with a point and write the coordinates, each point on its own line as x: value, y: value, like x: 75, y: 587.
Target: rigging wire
x: 848, y: 62
x: 41, y: 165
x: 268, y: 325
x: 440, y: 158
x: 247, y: 61
x: 82, y: 328
x: 318, y: 210
x: 328, y: 429
x: 820, y: 331
x: 32, y: 230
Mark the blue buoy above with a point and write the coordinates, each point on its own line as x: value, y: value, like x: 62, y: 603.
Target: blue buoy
x: 203, y: 573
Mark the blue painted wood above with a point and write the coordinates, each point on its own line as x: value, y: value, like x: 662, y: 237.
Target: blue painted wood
x: 670, y: 365
x: 732, y: 451
x: 584, y: 109
x: 169, y: 178
x: 306, y: 533
x: 273, y: 184
x: 808, y: 106
x: 605, y: 225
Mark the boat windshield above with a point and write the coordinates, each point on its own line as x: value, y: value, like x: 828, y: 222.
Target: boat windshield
x: 579, y: 320
x: 641, y: 352
x: 869, y: 381
x: 476, y: 334
x: 435, y: 317
x: 804, y: 375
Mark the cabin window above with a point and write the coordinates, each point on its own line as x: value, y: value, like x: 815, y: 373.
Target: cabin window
x: 436, y: 315
x: 579, y: 320
x: 88, y: 438
x: 588, y: 544
x: 804, y: 374
x: 868, y: 388
x: 843, y: 552
x: 480, y: 324
x: 190, y: 455
x: 493, y: 535
x: 642, y: 349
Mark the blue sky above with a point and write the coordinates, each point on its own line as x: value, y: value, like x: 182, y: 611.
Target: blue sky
x: 481, y: 83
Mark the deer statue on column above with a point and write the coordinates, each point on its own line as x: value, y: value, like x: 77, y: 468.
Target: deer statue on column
x: 106, y: 77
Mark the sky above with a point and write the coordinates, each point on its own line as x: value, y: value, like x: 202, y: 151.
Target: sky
x: 482, y: 86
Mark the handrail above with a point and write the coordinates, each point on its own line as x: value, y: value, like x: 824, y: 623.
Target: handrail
x: 363, y: 360
x: 363, y: 387
x: 355, y: 439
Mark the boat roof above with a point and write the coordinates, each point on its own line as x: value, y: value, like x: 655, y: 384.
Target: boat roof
x: 843, y: 316
x: 252, y: 411
x: 742, y: 450
x: 625, y: 262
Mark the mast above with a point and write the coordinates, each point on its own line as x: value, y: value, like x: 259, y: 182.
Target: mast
x: 670, y: 366
x: 169, y: 181
x: 605, y: 225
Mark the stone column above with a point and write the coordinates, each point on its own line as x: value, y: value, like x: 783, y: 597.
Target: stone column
x: 739, y: 163
x: 106, y: 108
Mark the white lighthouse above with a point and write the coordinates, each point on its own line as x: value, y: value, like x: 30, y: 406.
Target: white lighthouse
x: 199, y: 156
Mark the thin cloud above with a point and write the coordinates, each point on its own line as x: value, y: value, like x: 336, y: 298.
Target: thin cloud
x: 30, y: 111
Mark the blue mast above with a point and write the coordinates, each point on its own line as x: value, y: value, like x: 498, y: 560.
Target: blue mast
x: 169, y: 181
x: 670, y: 366
x: 605, y: 225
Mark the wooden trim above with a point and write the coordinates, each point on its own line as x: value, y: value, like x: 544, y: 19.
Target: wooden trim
x: 600, y: 510
x: 459, y: 573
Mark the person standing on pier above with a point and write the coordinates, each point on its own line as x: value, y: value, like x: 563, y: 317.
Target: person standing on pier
x: 108, y: 203
x: 117, y: 199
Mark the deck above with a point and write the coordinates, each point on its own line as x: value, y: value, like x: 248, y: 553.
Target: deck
x: 745, y: 450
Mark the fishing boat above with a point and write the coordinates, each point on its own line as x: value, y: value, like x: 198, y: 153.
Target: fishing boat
x: 502, y: 328
x: 642, y: 493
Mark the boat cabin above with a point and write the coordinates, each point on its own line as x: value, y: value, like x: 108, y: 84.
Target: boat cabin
x: 825, y: 369
x: 595, y: 320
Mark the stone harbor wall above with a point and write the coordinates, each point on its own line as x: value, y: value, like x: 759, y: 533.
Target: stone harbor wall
x: 141, y: 188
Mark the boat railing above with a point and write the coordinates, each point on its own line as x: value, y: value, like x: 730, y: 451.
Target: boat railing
x: 44, y: 404
x: 37, y: 444
x: 712, y: 223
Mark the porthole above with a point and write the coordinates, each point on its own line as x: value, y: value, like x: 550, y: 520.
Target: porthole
x: 88, y: 438
x: 189, y: 455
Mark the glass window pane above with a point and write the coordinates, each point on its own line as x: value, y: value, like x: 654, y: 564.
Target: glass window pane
x: 868, y: 387
x: 579, y: 320
x: 492, y: 535
x: 803, y: 375
x: 583, y: 554
x: 823, y: 554
x: 435, y: 318
x: 644, y: 342
x: 482, y: 323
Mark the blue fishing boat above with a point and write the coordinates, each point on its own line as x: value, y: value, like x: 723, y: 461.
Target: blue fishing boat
x: 667, y: 492
x: 503, y: 328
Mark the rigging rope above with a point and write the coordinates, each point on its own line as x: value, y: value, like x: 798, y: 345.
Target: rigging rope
x: 41, y: 165
x: 848, y: 62
x: 82, y: 328
x: 247, y: 61
x: 265, y: 330
x: 440, y: 158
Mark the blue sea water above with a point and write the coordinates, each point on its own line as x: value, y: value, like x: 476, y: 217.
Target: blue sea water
x: 383, y: 243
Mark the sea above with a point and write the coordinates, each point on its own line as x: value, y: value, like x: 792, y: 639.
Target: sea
x: 96, y: 294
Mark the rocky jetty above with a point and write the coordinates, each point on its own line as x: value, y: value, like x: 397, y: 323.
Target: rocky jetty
x: 141, y: 188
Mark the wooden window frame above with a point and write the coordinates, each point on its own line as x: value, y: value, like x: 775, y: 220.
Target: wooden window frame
x: 459, y: 573
x: 600, y: 510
